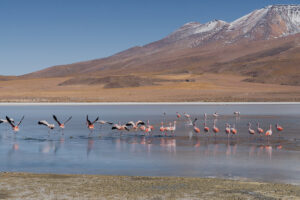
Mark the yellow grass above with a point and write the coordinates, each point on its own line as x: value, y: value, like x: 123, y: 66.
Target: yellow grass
x: 207, y: 87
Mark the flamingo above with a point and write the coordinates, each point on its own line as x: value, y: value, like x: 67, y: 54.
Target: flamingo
x: 206, y: 128
x: 233, y: 130
x: 14, y: 127
x: 178, y: 115
x: 136, y: 124
x: 143, y: 128
x: 103, y: 122
x: 162, y: 128
x: 259, y: 130
x: 189, y: 122
x: 250, y: 130
x: 237, y: 113
x: 150, y: 126
x: 90, y: 124
x: 227, y: 129
x: 5, y: 121
x: 279, y: 128
x: 148, y: 130
x: 215, y: 129
x: 168, y: 128
x: 120, y: 127
x: 216, y: 115
x: 173, y: 128
x: 196, y: 129
x: 45, y: 123
x: 269, y: 132
x: 187, y: 115
x: 61, y: 125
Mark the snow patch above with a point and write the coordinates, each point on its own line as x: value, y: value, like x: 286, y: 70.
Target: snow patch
x: 247, y: 22
x: 287, y: 16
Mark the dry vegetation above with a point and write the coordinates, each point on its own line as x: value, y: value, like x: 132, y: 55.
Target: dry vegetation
x: 47, y: 186
x: 262, y: 70
x: 163, y: 88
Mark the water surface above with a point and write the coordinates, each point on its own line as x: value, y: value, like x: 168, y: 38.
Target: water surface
x: 105, y: 151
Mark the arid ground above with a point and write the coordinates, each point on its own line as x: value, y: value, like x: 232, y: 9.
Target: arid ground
x: 156, y: 88
x: 48, y: 186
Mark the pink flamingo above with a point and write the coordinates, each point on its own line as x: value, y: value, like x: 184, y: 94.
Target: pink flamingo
x: 90, y: 124
x: 171, y: 128
x: 119, y: 127
x: 14, y: 127
x: 250, y: 130
x: 61, y: 125
x: 149, y: 128
x: 279, y: 128
x: 187, y: 115
x: 227, y: 129
x: 259, y: 130
x: 233, y: 130
x: 269, y: 132
x: 206, y: 128
x: 196, y: 129
x: 135, y: 125
x: 215, y: 129
x: 162, y: 129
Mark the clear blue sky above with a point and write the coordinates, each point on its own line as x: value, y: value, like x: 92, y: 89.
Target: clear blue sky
x: 35, y: 34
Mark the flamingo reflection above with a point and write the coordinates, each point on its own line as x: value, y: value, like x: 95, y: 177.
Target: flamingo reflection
x: 169, y: 144
x: 269, y: 149
x: 231, y: 148
x: 15, y: 147
x: 89, y: 146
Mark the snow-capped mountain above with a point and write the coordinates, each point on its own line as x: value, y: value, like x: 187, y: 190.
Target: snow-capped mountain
x: 195, y: 28
x: 262, y: 24
x: 258, y: 44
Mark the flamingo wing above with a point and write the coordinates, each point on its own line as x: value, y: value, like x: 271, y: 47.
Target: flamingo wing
x: 140, y: 123
x: 21, y: 121
x: 131, y: 123
x: 55, y: 119
x: 88, y: 121
x: 43, y: 122
x: 95, y: 120
x: 194, y: 121
x: 10, y: 122
x: 68, y: 120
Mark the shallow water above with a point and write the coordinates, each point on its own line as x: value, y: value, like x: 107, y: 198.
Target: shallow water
x: 105, y: 151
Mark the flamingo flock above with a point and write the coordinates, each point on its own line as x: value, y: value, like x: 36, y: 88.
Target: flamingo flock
x: 165, y: 129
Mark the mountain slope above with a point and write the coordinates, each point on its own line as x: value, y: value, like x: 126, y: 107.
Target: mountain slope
x: 261, y: 44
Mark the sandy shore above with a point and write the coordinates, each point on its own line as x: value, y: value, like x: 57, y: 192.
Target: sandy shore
x: 53, y: 186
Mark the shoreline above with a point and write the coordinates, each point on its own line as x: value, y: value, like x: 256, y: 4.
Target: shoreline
x: 63, y: 186
x: 147, y: 103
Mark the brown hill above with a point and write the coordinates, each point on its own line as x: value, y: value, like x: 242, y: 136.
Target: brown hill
x: 255, y: 58
x: 263, y: 45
